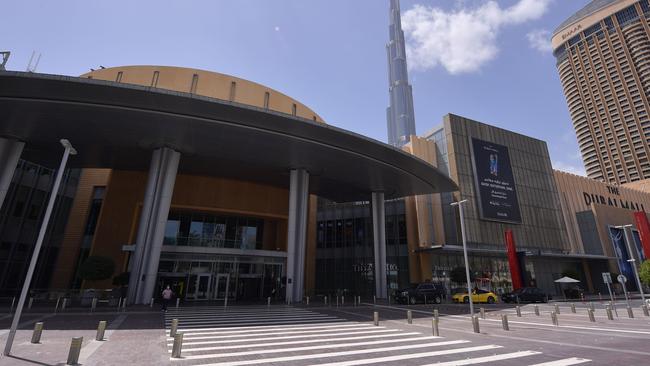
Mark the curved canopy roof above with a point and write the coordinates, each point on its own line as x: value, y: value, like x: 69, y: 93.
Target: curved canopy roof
x: 114, y: 125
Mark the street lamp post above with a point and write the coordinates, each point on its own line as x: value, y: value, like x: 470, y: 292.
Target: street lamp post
x: 462, y: 233
x: 632, y: 260
x: 69, y: 150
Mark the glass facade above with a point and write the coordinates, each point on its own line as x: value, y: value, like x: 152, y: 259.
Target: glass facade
x: 211, y: 276
x: 203, y: 275
x: 20, y: 220
x: 491, y: 272
x: 345, y: 248
x: 199, y: 229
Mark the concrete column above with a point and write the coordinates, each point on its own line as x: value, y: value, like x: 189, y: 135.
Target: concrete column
x: 151, y: 229
x: 297, y: 234
x: 379, y: 236
x: 10, y: 151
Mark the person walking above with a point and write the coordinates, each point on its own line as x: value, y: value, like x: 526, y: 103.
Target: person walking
x: 166, y: 297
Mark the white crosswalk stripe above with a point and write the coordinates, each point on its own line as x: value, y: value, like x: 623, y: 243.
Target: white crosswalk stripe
x: 240, y: 336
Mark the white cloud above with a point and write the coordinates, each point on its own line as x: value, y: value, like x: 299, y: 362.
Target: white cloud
x: 463, y: 39
x: 570, y: 168
x: 540, y: 40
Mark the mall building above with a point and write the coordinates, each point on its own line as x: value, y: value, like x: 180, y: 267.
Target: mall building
x: 221, y: 187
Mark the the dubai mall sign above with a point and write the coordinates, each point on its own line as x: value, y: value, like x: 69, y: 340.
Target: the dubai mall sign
x: 495, y: 184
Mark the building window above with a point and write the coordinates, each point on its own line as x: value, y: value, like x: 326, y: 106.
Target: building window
x: 154, y: 79
x: 118, y: 78
x: 294, y: 109
x: 266, y: 100
x: 233, y: 89
x: 195, y: 82
x: 626, y: 15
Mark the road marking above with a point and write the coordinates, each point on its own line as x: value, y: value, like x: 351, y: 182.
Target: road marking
x: 564, y: 362
x: 270, y: 326
x: 216, y: 335
x: 320, y: 340
x: 279, y: 331
x: 473, y: 361
x: 322, y: 346
x: 286, y: 337
x: 358, y: 352
x: 408, y: 356
x: 278, y: 322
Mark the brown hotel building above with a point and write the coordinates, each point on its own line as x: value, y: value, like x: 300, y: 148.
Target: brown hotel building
x: 603, y: 59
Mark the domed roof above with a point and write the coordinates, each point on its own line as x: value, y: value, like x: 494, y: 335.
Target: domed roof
x: 589, y: 9
x: 206, y: 83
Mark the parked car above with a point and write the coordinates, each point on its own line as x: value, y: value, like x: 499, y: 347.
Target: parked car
x: 525, y: 294
x: 478, y: 295
x: 429, y: 292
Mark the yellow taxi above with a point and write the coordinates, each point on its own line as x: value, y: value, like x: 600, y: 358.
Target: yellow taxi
x: 477, y: 296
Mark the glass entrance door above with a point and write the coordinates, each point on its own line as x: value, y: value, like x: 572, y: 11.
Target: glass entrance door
x: 222, y: 286
x: 203, y: 286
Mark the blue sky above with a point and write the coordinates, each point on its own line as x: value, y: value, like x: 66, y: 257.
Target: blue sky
x: 485, y: 60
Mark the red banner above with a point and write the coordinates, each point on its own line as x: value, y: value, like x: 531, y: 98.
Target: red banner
x: 643, y: 226
x: 513, y: 261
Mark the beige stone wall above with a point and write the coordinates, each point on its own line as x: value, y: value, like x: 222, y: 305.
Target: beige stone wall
x: 610, y: 204
x: 206, y: 83
x: 639, y: 185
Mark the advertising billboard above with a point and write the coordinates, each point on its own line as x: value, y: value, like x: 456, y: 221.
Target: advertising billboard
x: 620, y: 250
x: 495, y: 184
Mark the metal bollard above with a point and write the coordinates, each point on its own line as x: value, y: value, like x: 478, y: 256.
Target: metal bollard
x: 268, y: 301
x: 375, y: 318
x: 174, y: 328
x: 592, y: 318
x: 644, y: 308
x: 177, y: 346
x: 374, y: 299
x: 178, y: 301
x: 325, y: 300
x: 608, y: 310
x: 482, y: 310
x: 93, y: 304
x: 359, y: 300
x: 434, y: 327
x: 475, y: 323
x: 504, y: 321
x: 337, y: 301
x: 409, y: 316
x: 151, y: 303
x: 307, y: 300
x: 630, y: 313
x: 64, y: 303
x: 38, y: 330
x: 557, y: 309
x: 536, y: 310
x: 31, y: 301
x: 124, y: 304
x: 75, y: 348
x: 554, y: 319
x: 573, y: 308
x: 518, y: 308
x: 119, y: 304
x: 354, y: 298
x: 591, y: 306
x: 342, y: 300
x: 101, y: 328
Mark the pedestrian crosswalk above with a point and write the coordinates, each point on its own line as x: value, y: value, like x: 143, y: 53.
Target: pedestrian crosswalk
x: 258, y: 335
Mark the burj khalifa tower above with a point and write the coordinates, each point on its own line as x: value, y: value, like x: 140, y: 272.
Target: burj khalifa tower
x: 400, y: 116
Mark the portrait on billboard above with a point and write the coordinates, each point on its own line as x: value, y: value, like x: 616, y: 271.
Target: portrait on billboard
x: 495, y: 183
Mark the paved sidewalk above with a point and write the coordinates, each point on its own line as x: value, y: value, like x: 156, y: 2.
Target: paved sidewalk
x: 132, y: 338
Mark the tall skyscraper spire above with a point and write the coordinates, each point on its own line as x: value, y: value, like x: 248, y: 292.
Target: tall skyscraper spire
x: 400, y: 116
